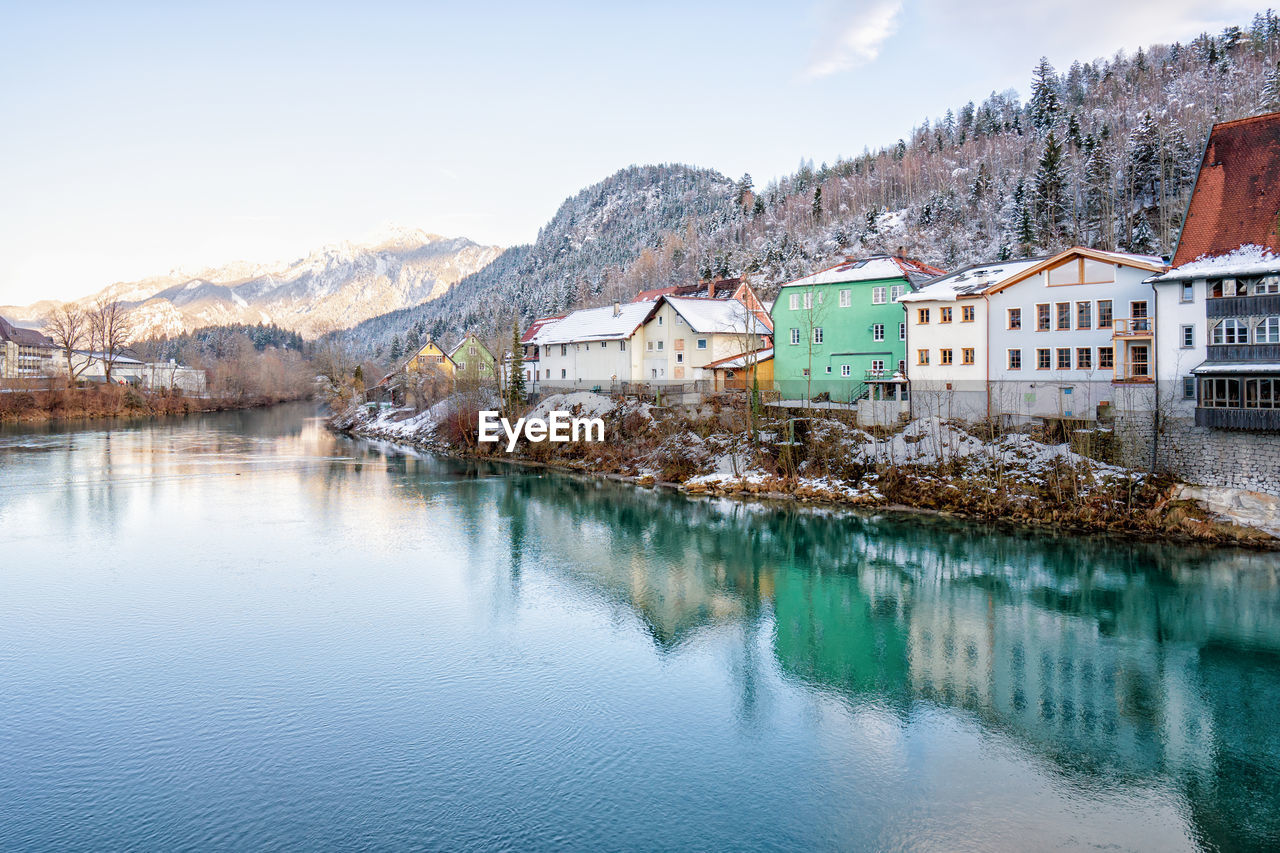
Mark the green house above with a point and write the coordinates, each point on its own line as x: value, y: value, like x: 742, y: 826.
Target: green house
x: 837, y: 328
x: 476, y: 364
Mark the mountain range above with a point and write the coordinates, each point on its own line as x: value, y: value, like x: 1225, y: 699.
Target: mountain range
x: 329, y: 289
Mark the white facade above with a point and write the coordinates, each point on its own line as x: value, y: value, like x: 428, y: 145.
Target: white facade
x: 1069, y: 336
x: 1181, y: 337
x: 684, y: 335
x: 590, y: 348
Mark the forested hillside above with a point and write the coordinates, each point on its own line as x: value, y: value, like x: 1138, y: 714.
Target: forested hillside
x: 1100, y: 154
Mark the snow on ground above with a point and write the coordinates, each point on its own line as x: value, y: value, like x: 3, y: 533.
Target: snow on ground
x: 582, y: 404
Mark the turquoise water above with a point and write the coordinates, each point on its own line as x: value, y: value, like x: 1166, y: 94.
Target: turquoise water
x: 237, y: 631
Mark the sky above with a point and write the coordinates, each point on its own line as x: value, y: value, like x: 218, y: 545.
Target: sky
x: 140, y: 138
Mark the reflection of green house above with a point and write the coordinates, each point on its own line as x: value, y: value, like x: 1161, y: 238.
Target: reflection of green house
x: 830, y: 633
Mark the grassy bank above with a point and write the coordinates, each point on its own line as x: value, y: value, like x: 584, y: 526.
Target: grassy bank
x: 929, y: 464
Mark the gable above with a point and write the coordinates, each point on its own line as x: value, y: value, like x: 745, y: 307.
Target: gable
x: 1236, y: 200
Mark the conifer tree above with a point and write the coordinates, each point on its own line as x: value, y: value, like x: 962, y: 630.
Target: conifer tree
x: 396, y: 352
x: 1050, y: 188
x: 515, y: 384
x: 1045, y: 106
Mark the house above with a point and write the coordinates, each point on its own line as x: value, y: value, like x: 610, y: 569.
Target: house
x: 1066, y: 336
x: 743, y: 372
x: 171, y: 376
x: 91, y: 366
x: 1219, y: 306
x: 473, y: 361
x: 842, y: 326
x: 531, y: 351
x: 430, y: 359
x: 683, y: 335
x: 592, y: 348
x: 25, y: 353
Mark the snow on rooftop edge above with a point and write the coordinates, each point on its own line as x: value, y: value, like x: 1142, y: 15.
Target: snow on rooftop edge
x: 1249, y: 259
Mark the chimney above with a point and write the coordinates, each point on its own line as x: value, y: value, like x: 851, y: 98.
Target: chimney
x: 617, y: 309
x: 711, y: 289
x: 902, y: 251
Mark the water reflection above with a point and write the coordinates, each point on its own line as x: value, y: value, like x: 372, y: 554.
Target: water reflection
x: 1135, y: 675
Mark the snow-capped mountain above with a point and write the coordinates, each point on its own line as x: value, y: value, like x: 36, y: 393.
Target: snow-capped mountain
x: 332, y: 288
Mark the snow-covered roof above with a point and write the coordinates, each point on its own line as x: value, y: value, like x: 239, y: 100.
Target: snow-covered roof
x: 710, y: 316
x: 1236, y: 367
x: 595, y: 324
x: 118, y: 358
x: 734, y: 362
x: 536, y: 326
x: 870, y: 269
x: 970, y: 281
x: 1245, y: 260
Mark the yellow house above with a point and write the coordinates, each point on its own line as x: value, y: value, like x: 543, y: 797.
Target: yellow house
x: 744, y: 371
x: 430, y: 358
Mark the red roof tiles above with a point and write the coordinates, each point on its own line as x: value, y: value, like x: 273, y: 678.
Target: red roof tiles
x: 1236, y: 200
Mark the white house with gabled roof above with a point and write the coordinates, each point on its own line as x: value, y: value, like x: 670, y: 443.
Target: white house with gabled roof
x: 1067, y: 336
x: 685, y: 334
x: 592, y: 347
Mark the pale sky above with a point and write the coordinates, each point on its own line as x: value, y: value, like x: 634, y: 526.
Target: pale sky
x: 136, y: 138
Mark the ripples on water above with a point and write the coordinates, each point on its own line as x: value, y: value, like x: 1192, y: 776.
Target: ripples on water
x: 239, y: 632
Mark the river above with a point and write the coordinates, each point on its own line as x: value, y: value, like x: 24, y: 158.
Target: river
x: 238, y: 631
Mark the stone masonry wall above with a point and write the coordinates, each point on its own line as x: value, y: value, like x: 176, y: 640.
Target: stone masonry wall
x: 1200, y: 455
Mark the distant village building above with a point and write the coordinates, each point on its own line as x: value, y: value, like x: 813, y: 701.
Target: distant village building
x: 843, y: 327
x: 171, y: 376
x: 744, y: 372
x: 25, y: 353
x: 473, y: 361
x: 593, y: 347
x: 1068, y: 336
x: 530, y: 350
x: 686, y: 334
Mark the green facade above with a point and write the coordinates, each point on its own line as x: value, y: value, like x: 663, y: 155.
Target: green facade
x: 848, y: 347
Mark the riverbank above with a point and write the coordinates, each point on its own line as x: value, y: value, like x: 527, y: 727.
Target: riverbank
x: 930, y: 464
x: 116, y: 401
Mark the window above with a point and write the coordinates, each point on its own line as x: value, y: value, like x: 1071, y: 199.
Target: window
x: 1106, y: 358
x: 805, y: 372
x: 795, y: 336
x: 563, y: 375
x: 895, y: 292
x: 877, y: 366
x: 1015, y: 318
x: 462, y: 365
x: 1228, y: 287
x: 922, y: 356
x: 1084, y: 315
x: 817, y: 334
x: 1084, y: 358
x: 1261, y: 393
x: 944, y: 315
x: 1267, y: 331
x: 1267, y: 284
x: 1104, y: 313
x: 1064, y: 358
x: 1220, y: 393
x: 564, y: 349
x: 828, y: 368
x: 1188, y: 387
x: 1042, y: 317
x: 1188, y: 292
x: 902, y: 331
x: 1231, y: 331
x: 846, y: 298
x: 660, y: 346
x: 794, y: 302
x: 622, y: 345
x: 944, y: 356
x: 548, y: 376
x: 1188, y: 337
x: 808, y: 300
x: 604, y: 344
x: 471, y: 350
x: 679, y: 358
x: 922, y: 316
x: 844, y: 370
x: 1042, y: 359
x: 1015, y: 359
x: 1138, y: 316
x: 877, y: 331
x: 1064, y: 316
x: 702, y: 343
x: 649, y: 346
x: 878, y: 295
x: 966, y: 355
x: 966, y: 314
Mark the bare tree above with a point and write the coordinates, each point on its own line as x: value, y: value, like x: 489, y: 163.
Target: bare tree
x: 69, y: 327
x: 109, y: 331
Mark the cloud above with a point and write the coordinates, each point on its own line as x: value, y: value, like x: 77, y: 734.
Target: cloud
x: 855, y: 32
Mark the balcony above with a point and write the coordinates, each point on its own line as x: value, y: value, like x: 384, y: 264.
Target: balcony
x: 1261, y: 420
x: 1134, y: 327
x: 1135, y: 372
